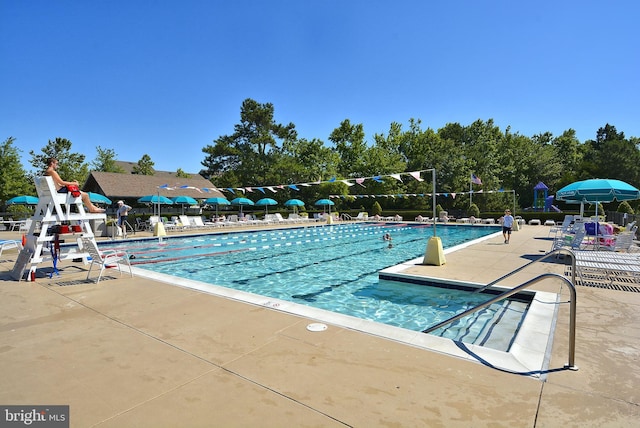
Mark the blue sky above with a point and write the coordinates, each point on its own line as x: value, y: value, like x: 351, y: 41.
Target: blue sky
x: 166, y: 78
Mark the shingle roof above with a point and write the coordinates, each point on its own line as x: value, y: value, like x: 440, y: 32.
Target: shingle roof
x: 132, y: 186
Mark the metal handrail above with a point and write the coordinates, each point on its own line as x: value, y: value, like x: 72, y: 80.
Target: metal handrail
x: 572, y: 315
x: 546, y: 256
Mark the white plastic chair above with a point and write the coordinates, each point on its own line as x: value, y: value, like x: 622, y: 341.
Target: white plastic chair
x: 105, y: 258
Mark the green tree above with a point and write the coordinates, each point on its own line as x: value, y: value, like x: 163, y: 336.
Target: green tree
x: 181, y: 174
x: 568, y: 154
x: 13, y: 178
x: 71, y: 166
x: 144, y: 166
x: 313, y: 160
x: 624, y: 207
x: 376, y: 209
x: 250, y: 153
x: 105, y: 161
x: 351, y: 147
x: 473, y: 210
x: 610, y: 155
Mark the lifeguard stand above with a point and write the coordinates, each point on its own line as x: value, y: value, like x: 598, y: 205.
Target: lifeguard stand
x: 53, y: 209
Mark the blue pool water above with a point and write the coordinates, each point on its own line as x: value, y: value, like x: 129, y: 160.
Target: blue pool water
x: 332, y: 267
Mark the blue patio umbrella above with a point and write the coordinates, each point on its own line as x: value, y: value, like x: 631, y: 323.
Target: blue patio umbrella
x: 155, y: 200
x: 265, y: 202
x: 598, y: 190
x: 23, y: 200
x: 325, y: 202
x: 184, y: 200
x: 241, y: 202
x: 97, y: 198
x: 295, y: 203
x: 216, y: 201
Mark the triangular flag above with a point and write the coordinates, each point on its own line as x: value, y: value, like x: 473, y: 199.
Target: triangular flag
x: 272, y: 189
x: 348, y: 183
x: 397, y: 177
x: 378, y: 179
x: 293, y: 186
x: 261, y: 189
x: 416, y: 175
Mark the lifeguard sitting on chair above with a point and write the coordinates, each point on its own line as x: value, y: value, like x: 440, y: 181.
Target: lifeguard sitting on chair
x: 61, y: 185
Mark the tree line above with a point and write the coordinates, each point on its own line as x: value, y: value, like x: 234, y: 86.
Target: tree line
x: 262, y: 152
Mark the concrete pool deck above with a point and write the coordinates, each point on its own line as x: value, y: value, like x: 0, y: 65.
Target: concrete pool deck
x: 137, y: 352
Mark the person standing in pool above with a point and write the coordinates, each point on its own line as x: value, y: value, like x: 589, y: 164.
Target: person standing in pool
x: 123, y: 213
x: 507, y: 224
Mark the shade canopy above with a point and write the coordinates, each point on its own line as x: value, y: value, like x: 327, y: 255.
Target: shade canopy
x: 217, y: 201
x: 324, y: 202
x: 184, y: 200
x: 97, y: 198
x: 242, y: 201
x: 155, y: 199
x: 598, y: 190
x: 294, y: 203
x: 23, y: 200
x: 266, y: 201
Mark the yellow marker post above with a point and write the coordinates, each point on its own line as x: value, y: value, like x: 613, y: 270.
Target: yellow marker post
x: 434, y: 255
x: 158, y: 230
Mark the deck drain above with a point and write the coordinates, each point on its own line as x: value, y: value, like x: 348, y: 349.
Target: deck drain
x: 316, y: 326
x: 83, y: 281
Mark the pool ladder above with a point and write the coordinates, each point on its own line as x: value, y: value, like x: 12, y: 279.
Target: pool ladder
x: 572, y: 289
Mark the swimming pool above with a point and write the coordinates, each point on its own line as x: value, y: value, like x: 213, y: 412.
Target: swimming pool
x: 335, y: 268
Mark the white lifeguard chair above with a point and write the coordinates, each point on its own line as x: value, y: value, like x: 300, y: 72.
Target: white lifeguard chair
x: 53, y: 209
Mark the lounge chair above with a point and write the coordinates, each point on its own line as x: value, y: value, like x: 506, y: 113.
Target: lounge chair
x: 570, y: 241
x: 362, y: 216
x: 105, y: 258
x: 623, y: 241
x: 610, y: 272
x: 141, y: 225
x: 9, y: 244
x: 280, y: 219
x: 607, y: 257
x: 564, y: 227
x: 24, y: 227
x: 185, y: 222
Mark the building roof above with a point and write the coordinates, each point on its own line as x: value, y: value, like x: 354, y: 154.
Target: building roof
x: 133, y: 186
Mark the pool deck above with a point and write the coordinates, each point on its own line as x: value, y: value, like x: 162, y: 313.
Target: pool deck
x: 136, y: 352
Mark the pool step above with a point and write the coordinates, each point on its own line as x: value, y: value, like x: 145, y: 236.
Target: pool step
x: 494, y: 327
